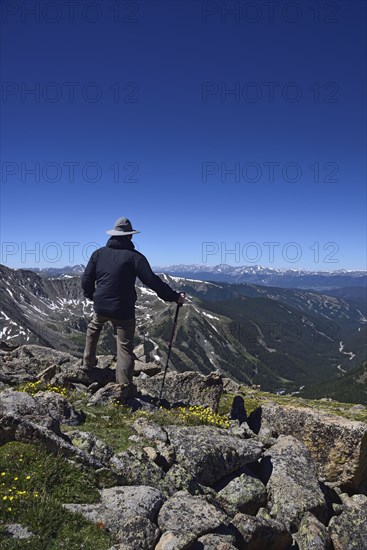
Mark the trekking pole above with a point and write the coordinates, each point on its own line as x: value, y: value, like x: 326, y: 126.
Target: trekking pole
x: 169, y: 348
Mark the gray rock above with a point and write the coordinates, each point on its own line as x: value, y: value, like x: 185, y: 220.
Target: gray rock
x: 137, y: 533
x: 186, y: 388
x: 312, y: 534
x: 176, y: 540
x: 214, y: 540
x: 91, y: 444
x: 210, y: 453
x: 219, y: 542
x: 141, y: 500
x: 18, y: 531
x: 150, y: 430
x: 24, y: 405
x: 184, y: 512
x: 293, y: 488
x: 349, y: 530
x: 230, y: 386
x: 177, y: 479
x: 59, y: 408
x: 26, y: 362
x: 337, y: 445
x: 14, y: 428
x: 110, y: 392
x: 119, y: 504
x: 150, y: 369
x: 137, y: 470
x: 247, y: 494
x: 259, y: 533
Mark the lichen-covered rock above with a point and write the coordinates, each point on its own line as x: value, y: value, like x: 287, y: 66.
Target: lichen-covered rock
x: 14, y: 428
x: 349, y: 530
x: 137, y: 470
x: 150, y: 430
x: 150, y: 369
x: 141, y: 500
x: 212, y: 540
x: 210, y: 453
x: 293, y: 487
x: 260, y: 534
x: 184, y: 512
x: 137, y: 533
x: 91, y: 444
x: 24, y: 405
x: 119, y: 504
x: 111, y: 392
x: 178, y: 479
x: 59, y: 408
x: 185, y: 388
x: 176, y: 540
x: 312, y: 534
x: 337, y: 445
x: 246, y: 494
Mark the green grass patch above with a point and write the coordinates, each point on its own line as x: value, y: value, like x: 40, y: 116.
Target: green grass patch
x: 33, y: 487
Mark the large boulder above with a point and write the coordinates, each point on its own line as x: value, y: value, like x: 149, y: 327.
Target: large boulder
x: 337, y: 445
x: 137, y: 533
x: 210, y: 453
x: 186, y: 388
x: 293, y: 487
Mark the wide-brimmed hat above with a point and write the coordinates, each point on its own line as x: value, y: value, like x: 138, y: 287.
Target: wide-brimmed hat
x: 122, y: 227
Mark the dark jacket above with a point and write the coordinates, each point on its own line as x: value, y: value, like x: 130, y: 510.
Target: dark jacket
x: 109, y: 279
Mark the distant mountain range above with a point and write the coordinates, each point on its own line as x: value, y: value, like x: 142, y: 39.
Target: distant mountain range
x: 277, y: 337
x: 285, y: 278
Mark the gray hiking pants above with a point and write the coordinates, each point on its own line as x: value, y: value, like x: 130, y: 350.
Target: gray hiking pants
x: 124, y: 331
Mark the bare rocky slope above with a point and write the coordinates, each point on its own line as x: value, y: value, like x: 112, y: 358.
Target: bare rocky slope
x: 273, y: 474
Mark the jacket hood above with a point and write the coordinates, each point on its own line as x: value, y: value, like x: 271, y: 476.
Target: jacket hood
x: 122, y: 243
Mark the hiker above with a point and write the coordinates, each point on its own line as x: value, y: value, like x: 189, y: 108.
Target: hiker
x: 109, y: 280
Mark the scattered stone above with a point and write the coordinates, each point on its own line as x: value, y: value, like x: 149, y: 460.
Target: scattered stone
x: 247, y: 494
x: 210, y: 453
x: 186, y: 388
x: 293, y: 488
x: 184, y: 512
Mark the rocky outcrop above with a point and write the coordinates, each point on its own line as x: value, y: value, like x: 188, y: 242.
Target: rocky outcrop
x: 337, y: 445
x: 349, y: 530
x: 186, y: 388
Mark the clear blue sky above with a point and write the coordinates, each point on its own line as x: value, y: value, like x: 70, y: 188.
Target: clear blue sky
x: 146, y: 90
